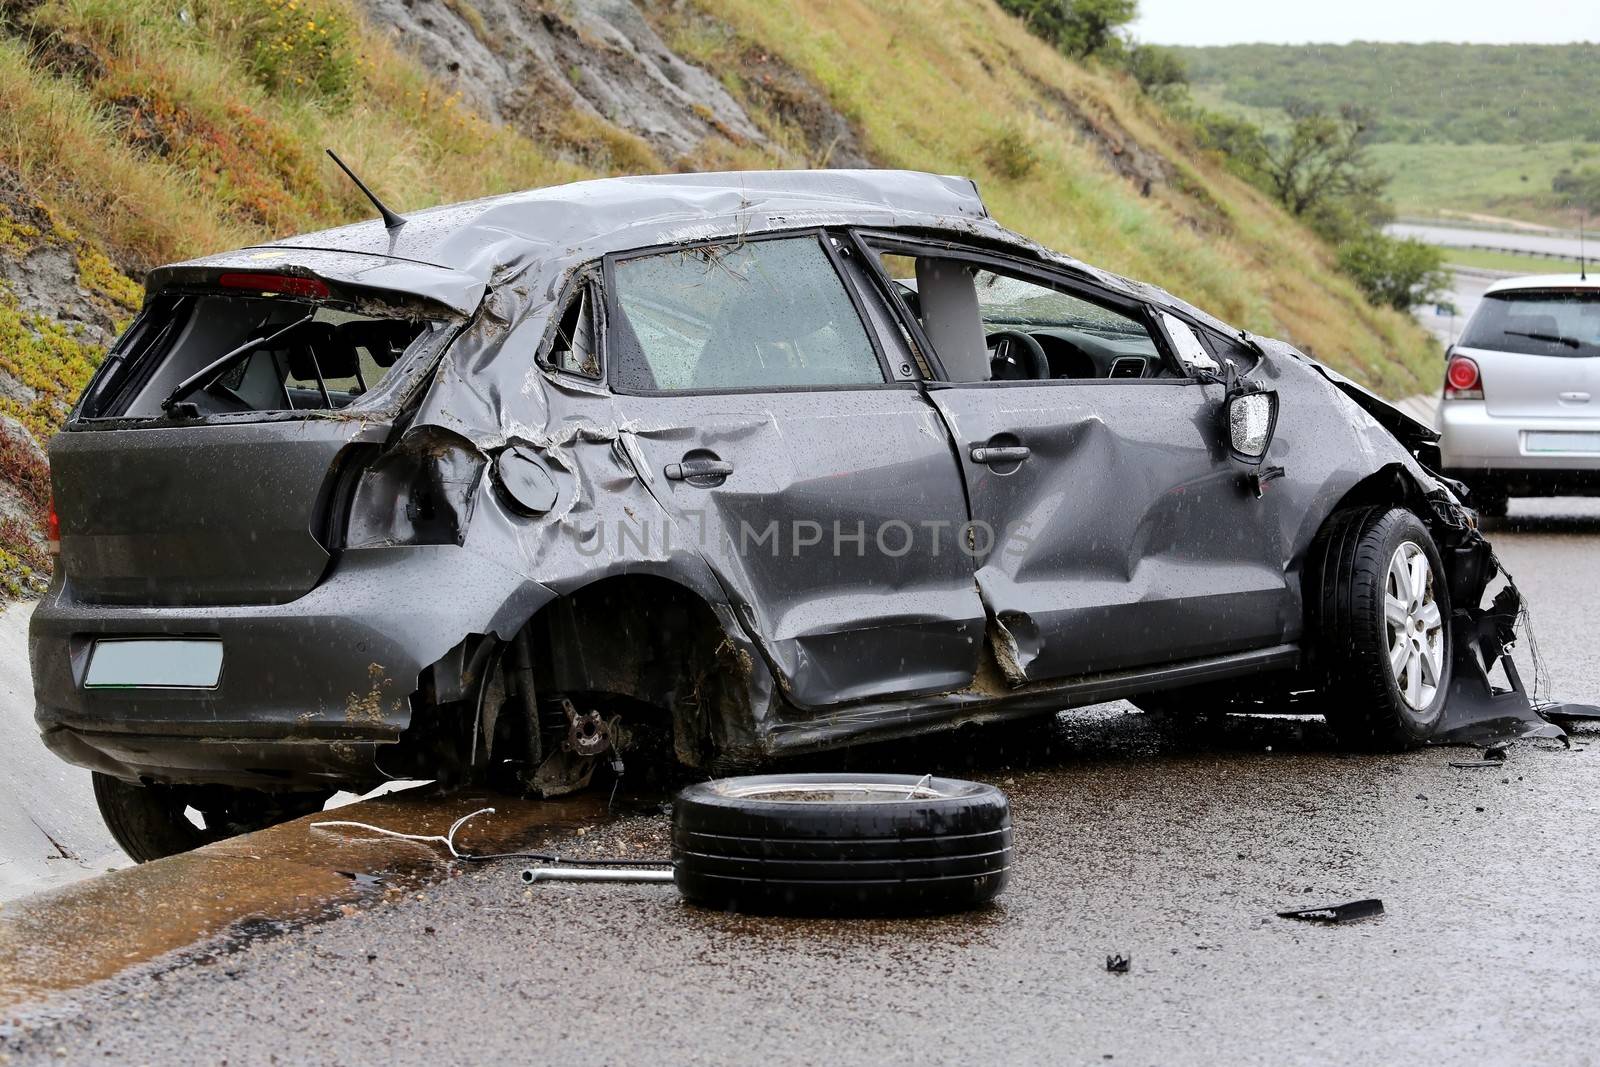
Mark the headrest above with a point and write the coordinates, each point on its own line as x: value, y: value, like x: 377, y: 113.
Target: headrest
x: 333, y: 357
x: 384, y: 341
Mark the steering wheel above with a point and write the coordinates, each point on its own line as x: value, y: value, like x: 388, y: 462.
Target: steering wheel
x: 1016, y: 356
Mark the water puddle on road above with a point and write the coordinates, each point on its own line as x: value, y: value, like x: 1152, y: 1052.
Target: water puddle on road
x: 261, y: 884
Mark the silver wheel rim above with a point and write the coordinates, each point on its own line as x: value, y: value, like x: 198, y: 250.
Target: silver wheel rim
x: 1414, y: 626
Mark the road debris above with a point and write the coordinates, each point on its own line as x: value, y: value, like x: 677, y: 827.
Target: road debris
x: 1569, y: 713
x: 582, y: 874
x: 448, y: 840
x: 1493, y: 756
x: 1336, y: 913
x: 1119, y: 964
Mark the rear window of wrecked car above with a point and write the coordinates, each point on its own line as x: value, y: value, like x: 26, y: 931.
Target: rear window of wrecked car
x: 770, y: 314
x: 334, y: 356
x: 1537, y: 322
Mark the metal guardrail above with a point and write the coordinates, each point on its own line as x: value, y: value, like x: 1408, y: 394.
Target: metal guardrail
x: 1570, y: 257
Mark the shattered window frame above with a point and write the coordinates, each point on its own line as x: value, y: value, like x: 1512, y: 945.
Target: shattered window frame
x: 132, y: 361
x: 624, y: 348
x: 875, y: 243
x: 584, y: 288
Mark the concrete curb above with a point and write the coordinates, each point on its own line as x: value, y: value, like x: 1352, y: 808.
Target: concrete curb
x: 55, y: 942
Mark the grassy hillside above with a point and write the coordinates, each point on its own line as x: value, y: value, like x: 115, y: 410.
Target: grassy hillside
x: 140, y: 131
x: 1450, y: 93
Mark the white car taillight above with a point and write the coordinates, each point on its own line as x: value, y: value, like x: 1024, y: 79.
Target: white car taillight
x: 1462, y: 380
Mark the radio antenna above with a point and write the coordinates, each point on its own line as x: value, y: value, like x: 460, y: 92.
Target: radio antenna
x: 391, y: 220
x: 1583, y: 268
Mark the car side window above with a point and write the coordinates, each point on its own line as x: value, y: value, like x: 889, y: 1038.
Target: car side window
x: 990, y: 325
x: 572, y: 348
x: 750, y: 315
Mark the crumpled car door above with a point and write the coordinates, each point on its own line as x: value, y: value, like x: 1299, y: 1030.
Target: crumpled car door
x: 1120, y: 532
x: 1123, y: 538
x: 814, y: 486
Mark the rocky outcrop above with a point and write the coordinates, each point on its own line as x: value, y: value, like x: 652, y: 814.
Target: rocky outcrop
x: 534, y: 66
x: 61, y: 304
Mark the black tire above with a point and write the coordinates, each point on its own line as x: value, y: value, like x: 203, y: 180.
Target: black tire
x: 841, y: 844
x: 1366, y: 703
x: 150, y: 822
x: 147, y: 821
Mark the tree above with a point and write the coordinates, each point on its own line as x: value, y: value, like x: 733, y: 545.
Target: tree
x: 1080, y: 28
x: 1158, y: 70
x: 1241, y: 143
x: 1398, y: 273
x: 1320, y: 171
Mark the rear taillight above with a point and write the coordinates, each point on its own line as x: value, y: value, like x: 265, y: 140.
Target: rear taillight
x: 287, y: 284
x: 53, y: 529
x: 1461, y: 380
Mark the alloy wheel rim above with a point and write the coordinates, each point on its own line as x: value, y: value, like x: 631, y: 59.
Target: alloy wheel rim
x: 1414, y: 626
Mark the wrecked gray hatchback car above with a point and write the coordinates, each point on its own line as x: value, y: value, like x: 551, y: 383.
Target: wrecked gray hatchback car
x: 760, y: 462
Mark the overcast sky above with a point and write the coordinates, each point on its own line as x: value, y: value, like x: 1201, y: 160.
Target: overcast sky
x: 1337, y: 21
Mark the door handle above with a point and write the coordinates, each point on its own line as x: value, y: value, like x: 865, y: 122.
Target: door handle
x: 693, y: 470
x: 993, y: 455
x: 1575, y: 398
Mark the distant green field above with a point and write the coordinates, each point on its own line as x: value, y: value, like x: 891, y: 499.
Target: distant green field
x: 1472, y: 257
x: 1464, y: 128
x: 1507, y: 180
x: 1458, y: 93
x: 1496, y: 179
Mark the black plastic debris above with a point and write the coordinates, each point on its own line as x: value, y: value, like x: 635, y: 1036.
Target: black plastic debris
x: 1493, y: 756
x: 1336, y: 913
x: 1119, y: 964
x: 1569, y: 713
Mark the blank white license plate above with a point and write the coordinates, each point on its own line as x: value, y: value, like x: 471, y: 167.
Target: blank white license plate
x: 1556, y: 441
x: 154, y: 664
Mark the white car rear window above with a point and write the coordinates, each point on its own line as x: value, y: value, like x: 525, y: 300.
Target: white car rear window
x: 1537, y: 322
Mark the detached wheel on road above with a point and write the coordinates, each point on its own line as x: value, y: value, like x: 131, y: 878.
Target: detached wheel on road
x: 152, y: 821
x: 1381, y: 610
x: 841, y: 844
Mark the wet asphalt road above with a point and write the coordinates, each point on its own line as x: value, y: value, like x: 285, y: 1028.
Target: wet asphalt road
x: 1171, y: 843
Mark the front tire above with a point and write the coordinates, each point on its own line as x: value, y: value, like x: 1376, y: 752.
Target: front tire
x: 1381, y: 615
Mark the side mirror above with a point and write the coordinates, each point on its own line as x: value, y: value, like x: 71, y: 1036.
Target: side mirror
x: 1252, y: 418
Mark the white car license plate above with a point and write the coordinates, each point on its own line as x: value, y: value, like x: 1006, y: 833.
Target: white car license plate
x: 1559, y: 441
x: 147, y: 663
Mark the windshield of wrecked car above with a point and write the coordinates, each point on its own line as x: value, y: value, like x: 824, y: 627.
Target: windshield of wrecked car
x: 756, y: 315
x: 1015, y: 302
x: 1537, y: 322
x: 313, y: 356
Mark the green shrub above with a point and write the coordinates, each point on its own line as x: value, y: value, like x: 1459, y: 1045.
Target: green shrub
x: 1080, y: 28
x: 1579, y: 188
x: 1010, y: 154
x: 1159, y: 71
x: 298, y: 47
x: 1401, y: 273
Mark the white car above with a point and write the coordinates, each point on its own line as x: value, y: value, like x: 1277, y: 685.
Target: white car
x: 1520, y: 415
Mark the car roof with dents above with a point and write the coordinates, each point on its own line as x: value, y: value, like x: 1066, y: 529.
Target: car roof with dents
x: 484, y: 240
x: 455, y: 253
